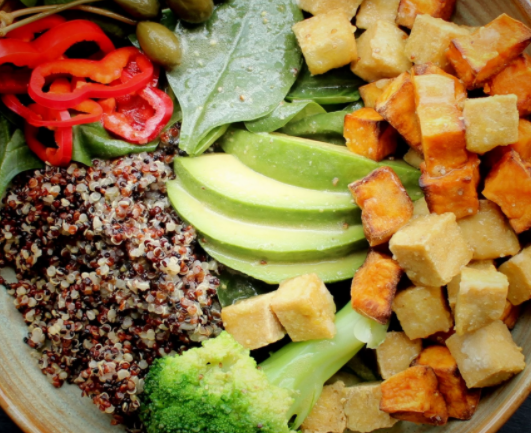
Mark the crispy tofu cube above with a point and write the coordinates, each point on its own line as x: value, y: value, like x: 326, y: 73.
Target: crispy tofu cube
x: 515, y: 79
x: 518, y: 271
x: 319, y: 7
x: 327, y: 41
x: 397, y: 105
x: 414, y: 158
x: 488, y: 233
x: 372, y: 11
x: 461, y: 94
x: 431, y: 249
x: 371, y: 92
x: 455, y: 191
x: 488, y: 356
x: 509, y: 186
x: 305, y: 308
x: 441, y: 337
x: 381, y: 52
x: 374, y: 286
x: 385, y: 205
x: 252, y: 323
x: 328, y: 414
x: 422, y: 311
x: 480, y: 300
x: 485, y: 52
x: 429, y: 39
x: 490, y: 122
x: 408, y: 10
x: 362, y: 408
x: 460, y: 402
x: 396, y: 353
x: 368, y: 134
x: 421, y: 207
x: 511, y: 314
x: 413, y: 395
x: 347, y: 379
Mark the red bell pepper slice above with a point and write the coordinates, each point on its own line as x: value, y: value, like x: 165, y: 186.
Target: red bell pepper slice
x: 14, y: 81
x: 101, y: 73
x: 27, y: 33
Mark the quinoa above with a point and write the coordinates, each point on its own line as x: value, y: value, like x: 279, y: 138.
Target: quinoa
x: 109, y: 277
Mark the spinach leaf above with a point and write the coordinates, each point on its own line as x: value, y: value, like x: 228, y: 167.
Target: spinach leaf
x: 235, y: 287
x: 15, y: 156
x: 285, y: 113
x: 168, y: 19
x: 29, y: 3
x: 338, y: 86
x: 236, y: 67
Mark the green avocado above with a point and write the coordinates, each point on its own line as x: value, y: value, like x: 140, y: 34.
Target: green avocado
x: 263, y: 242
x: 228, y: 185
x: 308, y: 163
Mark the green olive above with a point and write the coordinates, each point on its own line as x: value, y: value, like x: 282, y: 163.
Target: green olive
x: 160, y: 44
x: 141, y: 9
x: 192, y: 11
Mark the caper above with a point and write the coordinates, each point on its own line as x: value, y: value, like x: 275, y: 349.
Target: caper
x: 160, y: 44
x: 192, y: 11
x: 141, y: 9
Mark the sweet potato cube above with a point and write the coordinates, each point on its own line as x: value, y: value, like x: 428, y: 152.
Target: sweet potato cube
x: 511, y: 314
x: 523, y: 145
x: 460, y: 402
x: 429, y: 39
x: 396, y: 353
x: 413, y: 395
x: 455, y: 191
x: 518, y: 271
x: 461, y: 94
x: 488, y: 356
x: 372, y: 11
x: 371, y: 92
x: 490, y: 122
x: 327, y: 41
x: 385, y: 205
x: 374, y: 286
x: 509, y: 186
x: 328, y: 414
x: 369, y: 135
x: 410, y: 9
x: 381, y: 52
x: 397, y: 105
x: 319, y: 7
x: 485, y: 52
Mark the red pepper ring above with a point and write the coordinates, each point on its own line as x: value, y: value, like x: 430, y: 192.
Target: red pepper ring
x: 14, y: 81
x: 27, y: 33
x: 103, y: 72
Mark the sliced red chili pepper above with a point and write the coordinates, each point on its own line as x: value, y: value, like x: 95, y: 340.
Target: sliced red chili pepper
x: 102, y: 73
x: 14, y: 81
x: 27, y: 33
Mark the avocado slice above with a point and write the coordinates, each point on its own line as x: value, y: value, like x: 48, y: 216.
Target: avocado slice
x: 330, y: 271
x: 308, y: 163
x: 228, y: 185
x: 263, y: 242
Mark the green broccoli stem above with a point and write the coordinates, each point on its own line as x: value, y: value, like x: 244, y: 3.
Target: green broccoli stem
x: 304, y: 367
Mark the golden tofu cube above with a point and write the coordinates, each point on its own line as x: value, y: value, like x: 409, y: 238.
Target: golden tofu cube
x: 396, y: 353
x: 518, y: 271
x: 369, y: 135
x: 319, y: 7
x: 347, y: 379
x: 327, y: 41
x: 328, y: 414
x: 362, y: 408
x: 488, y: 233
x: 381, y: 52
x: 252, y: 323
x: 371, y: 92
x: 420, y: 207
x: 511, y: 314
x: 488, y: 356
x: 372, y: 11
x: 480, y: 300
x: 429, y: 39
x: 385, y: 204
x: 305, y: 308
x: 414, y: 158
x: 431, y: 249
x: 491, y: 122
x: 409, y: 10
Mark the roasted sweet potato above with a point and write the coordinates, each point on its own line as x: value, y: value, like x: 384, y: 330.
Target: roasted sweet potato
x: 369, y: 134
x: 370, y: 92
x: 409, y: 9
x: 509, y: 186
x: 385, y: 204
x: 430, y: 69
x: 374, y: 286
x: 460, y: 402
x: 511, y: 314
x: 397, y: 105
x: 413, y: 395
x: 484, y: 53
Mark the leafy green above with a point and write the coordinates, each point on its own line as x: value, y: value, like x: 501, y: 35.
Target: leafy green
x: 235, y: 287
x: 29, y: 3
x: 168, y: 19
x: 338, y: 86
x: 236, y: 67
x: 57, y: 2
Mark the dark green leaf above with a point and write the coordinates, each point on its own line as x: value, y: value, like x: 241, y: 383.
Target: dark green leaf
x: 134, y: 40
x: 235, y: 287
x: 168, y: 19
x: 236, y: 67
x: 29, y: 3
x: 57, y: 2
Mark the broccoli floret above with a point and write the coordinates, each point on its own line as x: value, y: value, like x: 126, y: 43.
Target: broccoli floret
x: 218, y: 388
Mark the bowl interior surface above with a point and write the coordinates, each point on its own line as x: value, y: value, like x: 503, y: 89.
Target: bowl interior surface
x: 37, y: 407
